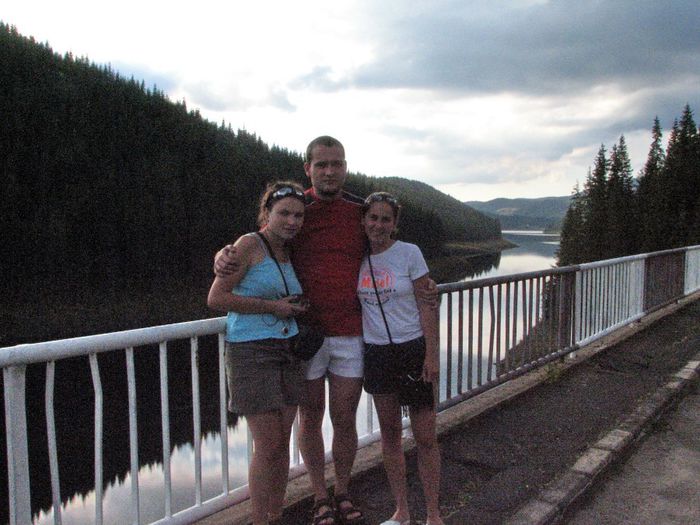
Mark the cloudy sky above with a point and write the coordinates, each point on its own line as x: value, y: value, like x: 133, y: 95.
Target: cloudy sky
x: 481, y: 99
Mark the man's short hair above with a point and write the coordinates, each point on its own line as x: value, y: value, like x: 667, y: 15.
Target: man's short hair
x: 323, y: 140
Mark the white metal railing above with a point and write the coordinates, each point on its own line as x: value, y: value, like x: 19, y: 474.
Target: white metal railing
x: 494, y: 329
x: 490, y: 329
x: 14, y: 361
x: 609, y: 294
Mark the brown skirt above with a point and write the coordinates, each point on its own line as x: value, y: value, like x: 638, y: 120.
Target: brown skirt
x: 262, y: 376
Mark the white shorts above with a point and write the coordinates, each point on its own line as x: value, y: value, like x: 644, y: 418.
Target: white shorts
x: 340, y: 355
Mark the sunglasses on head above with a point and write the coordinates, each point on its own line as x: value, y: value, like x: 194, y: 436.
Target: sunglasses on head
x: 381, y: 197
x: 285, y: 191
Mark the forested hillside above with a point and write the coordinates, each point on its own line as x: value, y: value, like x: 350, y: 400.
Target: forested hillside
x: 107, y: 181
x: 615, y: 215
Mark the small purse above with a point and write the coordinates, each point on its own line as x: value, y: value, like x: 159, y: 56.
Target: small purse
x: 307, y: 342
x: 310, y: 338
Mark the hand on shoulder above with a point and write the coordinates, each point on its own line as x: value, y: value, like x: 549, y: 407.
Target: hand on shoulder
x: 233, y: 257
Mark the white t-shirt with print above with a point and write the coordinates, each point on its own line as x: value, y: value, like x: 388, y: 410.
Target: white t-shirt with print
x: 394, y: 272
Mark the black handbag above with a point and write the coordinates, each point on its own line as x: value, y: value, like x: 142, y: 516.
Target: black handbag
x: 307, y: 342
x: 310, y: 338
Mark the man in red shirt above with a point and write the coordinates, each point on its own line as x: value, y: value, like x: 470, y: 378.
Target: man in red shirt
x: 327, y: 255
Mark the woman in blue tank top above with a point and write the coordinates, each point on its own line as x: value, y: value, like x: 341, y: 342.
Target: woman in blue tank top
x: 265, y: 382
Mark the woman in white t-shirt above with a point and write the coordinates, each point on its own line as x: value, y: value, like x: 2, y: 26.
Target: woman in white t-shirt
x: 401, y: 352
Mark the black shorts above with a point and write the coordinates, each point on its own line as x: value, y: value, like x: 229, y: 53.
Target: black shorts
x: 397, y: 369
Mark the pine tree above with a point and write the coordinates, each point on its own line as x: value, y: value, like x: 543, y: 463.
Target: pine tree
x: 572, y: 241
x: 652, y: 200
x: 595, y: 219
x: 682, y: 175
x: 621, y: 216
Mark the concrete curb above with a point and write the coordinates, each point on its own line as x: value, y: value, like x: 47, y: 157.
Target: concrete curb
x: 550, y: 505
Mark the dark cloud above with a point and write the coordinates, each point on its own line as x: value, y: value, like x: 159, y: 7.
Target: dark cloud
x: 554, y: 47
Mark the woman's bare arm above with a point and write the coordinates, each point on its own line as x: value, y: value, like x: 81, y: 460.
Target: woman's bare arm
x: 429, y: 324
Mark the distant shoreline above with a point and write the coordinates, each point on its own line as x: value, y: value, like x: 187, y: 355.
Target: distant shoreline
x: 477, y: 248
x: 460, y: 259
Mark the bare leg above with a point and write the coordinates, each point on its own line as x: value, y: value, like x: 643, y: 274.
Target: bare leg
x: 280, y: 474
x: 310, y: 434
x: 344, y: 396
x: 270, y: 449
x: 423, y: 426
x: 311, y: 439
x: 389, y: 413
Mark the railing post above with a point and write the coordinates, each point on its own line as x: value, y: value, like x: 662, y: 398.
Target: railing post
x: 17, y: 448
x: 566, y: 300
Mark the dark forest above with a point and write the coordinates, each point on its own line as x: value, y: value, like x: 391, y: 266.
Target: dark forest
x: 616, y: 214
x: 114, y: 195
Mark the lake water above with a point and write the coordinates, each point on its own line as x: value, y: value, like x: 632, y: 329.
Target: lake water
x: 535, y: 251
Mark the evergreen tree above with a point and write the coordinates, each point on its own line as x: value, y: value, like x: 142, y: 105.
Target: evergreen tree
x: 621, y: 214
x: 572, y: 242
x: 615, y: 219
x: 652, y: 199
x: 596, y: 213
x: 682, y: 176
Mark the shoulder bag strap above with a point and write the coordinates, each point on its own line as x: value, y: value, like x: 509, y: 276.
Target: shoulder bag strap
x: 272, y: 256
x: 379, y: 301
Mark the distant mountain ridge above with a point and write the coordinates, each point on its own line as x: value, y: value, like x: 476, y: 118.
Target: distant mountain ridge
x: 545, y: 213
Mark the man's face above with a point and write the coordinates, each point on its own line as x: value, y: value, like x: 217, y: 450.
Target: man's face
x: 327, y: 171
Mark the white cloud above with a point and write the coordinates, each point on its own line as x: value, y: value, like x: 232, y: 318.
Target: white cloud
x: 478, y: 99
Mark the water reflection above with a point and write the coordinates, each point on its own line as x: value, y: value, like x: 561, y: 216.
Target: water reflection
x: 534, y: 251
x: 459, y: 268
x: 75, y: 419
x: 116, y: 500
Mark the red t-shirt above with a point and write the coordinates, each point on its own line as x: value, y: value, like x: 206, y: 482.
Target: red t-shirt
x: 327, y: 254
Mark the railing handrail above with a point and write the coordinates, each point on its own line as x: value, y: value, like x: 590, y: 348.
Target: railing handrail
x: 636, y: 257
x: 28, y: 353
x: 501, y: 279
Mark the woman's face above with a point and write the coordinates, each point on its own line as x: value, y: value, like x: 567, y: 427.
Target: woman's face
x: 286, y: 217
x: 379, y: 223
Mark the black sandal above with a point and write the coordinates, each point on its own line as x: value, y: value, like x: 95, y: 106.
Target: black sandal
x: 345, y: 512
x: 328, y: 516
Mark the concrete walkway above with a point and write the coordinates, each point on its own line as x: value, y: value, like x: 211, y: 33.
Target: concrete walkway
x: 545, y: 447
x: 659, y: 482
x: 644, y: 472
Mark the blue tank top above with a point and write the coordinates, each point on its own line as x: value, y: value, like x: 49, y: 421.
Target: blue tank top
x: 263, y: 280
